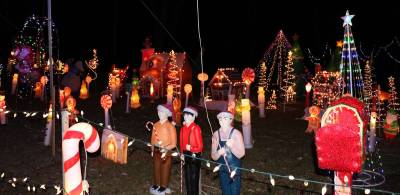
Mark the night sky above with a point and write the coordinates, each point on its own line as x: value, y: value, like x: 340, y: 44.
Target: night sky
x: 233, y: 33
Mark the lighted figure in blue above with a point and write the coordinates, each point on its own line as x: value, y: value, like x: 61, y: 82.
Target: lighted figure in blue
x: 228, y: 147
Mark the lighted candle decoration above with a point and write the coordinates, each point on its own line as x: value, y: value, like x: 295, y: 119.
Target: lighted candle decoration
x: 231, y: 103
x: 308, y: 89
x: 372, y: 132
x: 83, y: 91
x: 67, y: 92
x: 202, y: 78
x: 38, y: 90
x: 246, y: 123
x: 14, y: 83
x: 48, y: 127
x: 170, y: 94
x: 188, y: 89
x: 261, y: 101
x: 62, y: 98
x: 3, y: 119
x: 151, y: 92
x: 106, y: 103
x: 88, y: 80
x: 135, y: 99
x: 248, y: 76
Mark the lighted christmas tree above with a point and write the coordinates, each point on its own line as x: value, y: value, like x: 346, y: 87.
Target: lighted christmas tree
x: 288, y: 81
x: 262, y: 75
x: 349, y: 65
x: 275, y: 57
x: 393, y: 99
x: 380, y: 110
x: 173, y: 73
x: 367, y: 81
x: 272, y: 102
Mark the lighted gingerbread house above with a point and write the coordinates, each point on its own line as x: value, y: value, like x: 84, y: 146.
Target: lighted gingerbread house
x: 114, y: 146
x: 154, y: 70
x: 224, y: 82
x: 326, y: 88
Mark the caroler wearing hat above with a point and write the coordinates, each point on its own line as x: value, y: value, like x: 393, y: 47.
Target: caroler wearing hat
x: 163, y: 135
x: 191, y: 144
x: 228, y: 141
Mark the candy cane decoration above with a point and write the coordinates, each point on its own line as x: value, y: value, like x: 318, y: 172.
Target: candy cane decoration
x: 106, y: 103
x: 73, y: 184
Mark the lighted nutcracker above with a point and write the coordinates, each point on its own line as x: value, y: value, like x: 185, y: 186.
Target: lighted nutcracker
x: 163, y: 136
x: 191, y: 144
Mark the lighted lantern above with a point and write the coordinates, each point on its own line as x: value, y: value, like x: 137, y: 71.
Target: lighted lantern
x: 14, y: 83
x: 38, y: 90
x: 341, y: 141
x: 67, y: 92
x: 261, y: 101
x: 187, y: 88
x: 248, y: 76
x: 202, y: 78
x: 170, y: 94
x: 135, y: 99
x: 106, y: 103
x: 308, y: 89
x: 372, y: 132
x: 314, y: 121
x: 114, y: 146
x: 246, y: 123
x: 3, y: 119
x: 88, y: 80
x: 62, y: 98
x: 83, y: 91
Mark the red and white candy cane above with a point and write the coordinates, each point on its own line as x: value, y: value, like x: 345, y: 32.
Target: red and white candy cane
x: 70, y: 151
x: 106, y: 103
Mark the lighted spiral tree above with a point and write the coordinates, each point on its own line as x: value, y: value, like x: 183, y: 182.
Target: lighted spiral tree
x: 393, y: 99
x: 262, y: 75
x: 275, y: 57
x: 173, y: 73
x: 288, y: 88
x: 349, y: 65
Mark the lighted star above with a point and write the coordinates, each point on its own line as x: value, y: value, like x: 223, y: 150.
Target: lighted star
x: 347, y: 19
x: 339, y: 44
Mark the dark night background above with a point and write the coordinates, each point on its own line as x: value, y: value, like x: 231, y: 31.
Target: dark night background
x: 233, y: 33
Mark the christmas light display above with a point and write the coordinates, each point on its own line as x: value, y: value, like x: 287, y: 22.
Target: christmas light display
x: 93, y: 63
x: 248, y: 76
x: 393, y: 99
x: 262, y: 75
x: 173, y: 74
x: 272, y: 102
x: 367, y: 86
x: 326, y: 88
x: 349, y: 65
x: 289, y: 80
x: 275, y: 58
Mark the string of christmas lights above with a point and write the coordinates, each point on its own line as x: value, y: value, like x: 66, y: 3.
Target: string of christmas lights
x: 234, y: 169
x: 173, y: 71
x: 25, y: 182
x: 288, y: 88
x: 393, y: 99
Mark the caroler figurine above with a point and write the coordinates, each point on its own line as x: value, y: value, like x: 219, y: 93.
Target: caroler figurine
x: 163, y: 136
x: 191, y: 144
x: 227, y: 149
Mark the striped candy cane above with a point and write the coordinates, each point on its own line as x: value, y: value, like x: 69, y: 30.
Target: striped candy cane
x: 70, y: 152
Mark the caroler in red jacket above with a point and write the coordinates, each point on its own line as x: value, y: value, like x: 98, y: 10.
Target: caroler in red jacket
x: 191, y: 144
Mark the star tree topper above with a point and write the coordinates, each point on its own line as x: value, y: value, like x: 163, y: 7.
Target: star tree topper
x: 347, y: 19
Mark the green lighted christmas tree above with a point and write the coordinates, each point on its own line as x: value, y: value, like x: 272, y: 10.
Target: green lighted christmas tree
x: 349, y: 65
x: 393, y: 99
